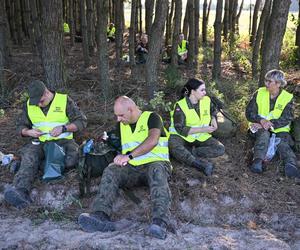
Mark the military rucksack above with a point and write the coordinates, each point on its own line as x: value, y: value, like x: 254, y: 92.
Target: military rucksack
x: 93, y: 163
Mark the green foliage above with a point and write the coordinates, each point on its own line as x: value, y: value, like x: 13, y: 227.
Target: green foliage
x: 213, y: 91
x: 2, y: 112
x: 157, y: 103
x: 23, y: 97
x: 290, y: 54
x: 172, y: 77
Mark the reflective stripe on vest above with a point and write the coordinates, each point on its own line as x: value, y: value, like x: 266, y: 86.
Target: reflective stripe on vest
x: 182, y: 49
x: 193, y: 120
x: 56, y: 116
x: 263, y: 104
x: 131, y: 140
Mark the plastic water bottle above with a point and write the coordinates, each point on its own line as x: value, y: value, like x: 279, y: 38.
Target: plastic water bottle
x: 6, y: 159
x: 88, y: 146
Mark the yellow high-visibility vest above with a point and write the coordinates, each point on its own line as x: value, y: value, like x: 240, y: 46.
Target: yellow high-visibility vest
x: 193, y: 120
x: 263, y: 104
x: 111, y: 32
x: 130, y: 140
x: 66, y: 28
x: 56, y: 116
x: 182, y: 49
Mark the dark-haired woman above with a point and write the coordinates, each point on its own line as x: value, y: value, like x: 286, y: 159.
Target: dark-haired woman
x: 192, y: 122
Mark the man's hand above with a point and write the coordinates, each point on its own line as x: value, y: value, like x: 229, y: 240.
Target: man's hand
x: 255, y: 126
x: 266, y: 124
x: 35, y: 133
x: 56, y: 131
x: 121, y: 160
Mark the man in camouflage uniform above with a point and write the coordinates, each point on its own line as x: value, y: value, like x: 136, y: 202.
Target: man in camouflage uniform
x: 47, y: 116
x: 276, y: 119
x: 144, y: 160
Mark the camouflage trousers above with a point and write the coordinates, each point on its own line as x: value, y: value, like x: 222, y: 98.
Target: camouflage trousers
x: 32, y: 157
x: 154, y: 174
x: 284, y: 148
x: 187, y: 152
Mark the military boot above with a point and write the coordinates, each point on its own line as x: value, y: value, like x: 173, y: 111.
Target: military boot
x: 17, y: 197
x: 97, y: 221
x: 203, y: 165
x: 291, y: 170
x: 158, y: 229
x: 256, y: 166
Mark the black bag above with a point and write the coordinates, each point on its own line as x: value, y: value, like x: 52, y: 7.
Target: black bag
x: 92, y: 164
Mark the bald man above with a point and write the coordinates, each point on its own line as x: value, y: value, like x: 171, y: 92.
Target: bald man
x: 144, y: 161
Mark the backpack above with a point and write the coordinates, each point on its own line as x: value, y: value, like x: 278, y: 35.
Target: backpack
x: 93, y: 163
x: 227, y: 126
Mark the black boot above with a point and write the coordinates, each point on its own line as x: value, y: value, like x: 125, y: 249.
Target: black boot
x: 257, y: 166
x: 158, y: 229
x: 17, y: 197
x: 97, y: 221
x: 205, y: 166
x: 291, y: 170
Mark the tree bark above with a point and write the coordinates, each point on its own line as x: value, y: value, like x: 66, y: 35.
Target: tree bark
x: 297, y: 42
x: 149, y: 6
x: 238, y: 15
x: 254, y: 22
x: 258, y: 36
x: 273, y: 41
x: 155, y: 43
x: 18, y: 22
x: 2, y: 46
x: 197, y: 20
x: 90, y: 26
x: 71, y: 22
x: 103, y: 49
x: 85, y: 45
x: 52, y: 44
x: 169, y: 23
x: 185, y: 28
x: 36, y: 26
x: 132, y: 32
x: 226, y: 20
x: 204, y: 23
x: 216, y: 73
x: 176, y: 31
x: 119, y: 31
x: 27, y: 14
x: 191, y: 51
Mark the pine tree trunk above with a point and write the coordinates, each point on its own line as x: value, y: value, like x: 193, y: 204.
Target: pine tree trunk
x: 85, y: 45
x: 197, y: 20
x: 191, y: 51
x: 297, y: 42
x: 90, y: 26
x: 72, y: 23
x: 258, y: 36
x: 275, y: 30
x: 216, y: 73
x: 204, y: 23
x: 149, y: 5
x: 18, y: 22
x: 119, y: 31
x: 36, y: 26
x: 185, y: 28
x: 226, y: 20
x: 169, y: 23
x: 103, y: 48
x: 52, y: 43
x: 254, y: 22
x: 132, y: 32
x: 2, y: 46
x: 155, y: 43
x: 27, y: 13
x: 176, y: 31
x: 140, y: 17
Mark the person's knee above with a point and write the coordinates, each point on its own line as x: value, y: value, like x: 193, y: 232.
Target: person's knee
x: 220, y: 149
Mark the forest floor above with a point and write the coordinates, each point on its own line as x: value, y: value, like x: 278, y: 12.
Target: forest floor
x: 233, y: 209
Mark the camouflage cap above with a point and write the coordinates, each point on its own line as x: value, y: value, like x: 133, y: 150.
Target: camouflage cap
x: 35, y: 91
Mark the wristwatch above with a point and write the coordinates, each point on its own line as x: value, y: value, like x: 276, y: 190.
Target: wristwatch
x: 130, y: 156
x: 64, y: 129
